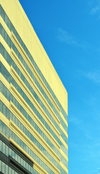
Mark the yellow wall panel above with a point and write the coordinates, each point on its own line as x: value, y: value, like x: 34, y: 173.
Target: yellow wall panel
x: 63, y: 118
x: 64, y: 131
x: 61, y: 139
x: 4, y: 81
x: 39, y: 169
x: 4, y: 119
x: 64, y: 155
x: 5, y: 26
x: 4, y: 63
x: 64, y: 167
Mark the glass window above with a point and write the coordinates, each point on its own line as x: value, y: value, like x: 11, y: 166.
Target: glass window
x: 13, y: 171
x: 23, y: 163
x: 21, y: 126
x: 1, y: 87
x: 4, y: 150
x: 0, y: 105
x: 10, y: 171
x: 26, y: 166
x: 3, y: 167
x: 16, y: 173
x: 18, y: 159
x: 6, y: 169
x: 4, y: 110
x: 14, y: 119
x: 0, y: 126
x: 0, y: 165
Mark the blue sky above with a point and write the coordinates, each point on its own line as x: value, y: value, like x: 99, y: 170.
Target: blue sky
x: 70, y: 34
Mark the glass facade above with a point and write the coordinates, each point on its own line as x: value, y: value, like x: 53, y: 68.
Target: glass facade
x: 8, y: 96
x: 9, y: 152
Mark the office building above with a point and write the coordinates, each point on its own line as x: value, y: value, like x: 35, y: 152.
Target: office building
x: 33, y: 100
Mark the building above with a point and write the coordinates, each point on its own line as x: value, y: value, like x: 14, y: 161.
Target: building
x: 33, y: 100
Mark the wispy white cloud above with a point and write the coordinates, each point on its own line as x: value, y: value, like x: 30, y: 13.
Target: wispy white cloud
x: 94, y: 76
x: 94, y: 7
x: 94, y: 10
x: 64, y: 37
